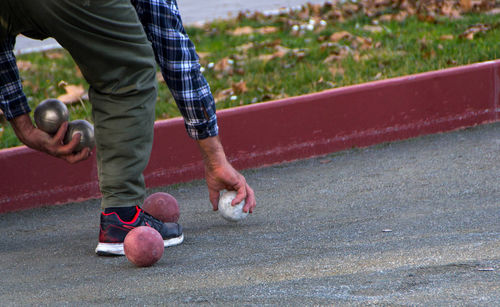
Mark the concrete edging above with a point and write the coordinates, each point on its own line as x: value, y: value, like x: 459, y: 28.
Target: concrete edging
x: 278, y: 131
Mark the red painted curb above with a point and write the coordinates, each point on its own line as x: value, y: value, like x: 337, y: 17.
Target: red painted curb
x: 278, y: 131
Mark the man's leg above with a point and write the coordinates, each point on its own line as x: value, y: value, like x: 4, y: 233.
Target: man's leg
x: 108, y: 43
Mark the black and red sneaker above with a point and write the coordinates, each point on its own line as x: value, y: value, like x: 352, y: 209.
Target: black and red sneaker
x: 113, y: 232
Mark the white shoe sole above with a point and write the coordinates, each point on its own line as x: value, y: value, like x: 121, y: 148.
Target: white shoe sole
x: 116, y: 249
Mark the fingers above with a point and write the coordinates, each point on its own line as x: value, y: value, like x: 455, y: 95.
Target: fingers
x: 240, y: 189
x: 227, y: 178
x: 70, y: 147
x: 250, y: 200
x: 80, y: 156
x: 214, y: 196
x: 67, y: 151
x: 59, y: 136
x: 244, y: 192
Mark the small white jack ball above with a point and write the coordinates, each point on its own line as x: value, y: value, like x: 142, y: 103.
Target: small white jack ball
x: 228, y: 212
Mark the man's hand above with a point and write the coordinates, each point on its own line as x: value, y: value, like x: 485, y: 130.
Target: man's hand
x: 53, y: 145
x: 221, y: 175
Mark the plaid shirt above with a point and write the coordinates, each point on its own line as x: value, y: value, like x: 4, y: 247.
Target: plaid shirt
x: 13, y: 102
x: 175, y: 54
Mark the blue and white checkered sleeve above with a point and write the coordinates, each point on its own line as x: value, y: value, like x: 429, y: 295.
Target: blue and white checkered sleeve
x: 179, y: 64
x: 13, y: 102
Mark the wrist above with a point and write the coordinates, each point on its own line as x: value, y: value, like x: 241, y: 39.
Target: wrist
x: 23, y: 126
x: 212, y: 152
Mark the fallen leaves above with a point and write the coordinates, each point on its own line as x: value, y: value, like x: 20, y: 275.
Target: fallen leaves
x: 74, y: 93
x: 267, y: 30
x: 336, y: 71
x: 24, y: 65
x: 473, y: 30
x: 237, y: 88
x: 447, y: 37
x: 451, y: 10
x: 203, y: 55
x: 373, y: 28
x: 342, y: 44
x: 426, y: 10
x: 466, y: 5
x: 313, y: 16
x: 364, y: 43
x: 223, y: 94
x: 351, y: 8
x: 279, y: 52
x: 241, y: 31
x: 247, y: 30
x: 386, y: 18
x: 225, y: 65
x: 338, y: 36
x: 355, y: 45
x: 401, y: 16
x: 245, y: 47
x: 53, y: 55
x: 337, y: 56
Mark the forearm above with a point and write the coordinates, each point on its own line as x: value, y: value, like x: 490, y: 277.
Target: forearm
x: 23, y: 127
x: 212, y: 152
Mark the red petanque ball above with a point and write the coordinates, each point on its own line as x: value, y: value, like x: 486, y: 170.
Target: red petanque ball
x: 143, y: 246
x: 162, y: 206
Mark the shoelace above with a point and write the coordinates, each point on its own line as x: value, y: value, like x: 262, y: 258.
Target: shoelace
x: 152, y: 221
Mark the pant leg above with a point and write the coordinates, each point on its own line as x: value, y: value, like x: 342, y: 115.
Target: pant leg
x: 108, y: 43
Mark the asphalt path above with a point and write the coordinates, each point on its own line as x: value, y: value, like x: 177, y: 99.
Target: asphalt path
x: 192, y: 12
x: 414, y: 222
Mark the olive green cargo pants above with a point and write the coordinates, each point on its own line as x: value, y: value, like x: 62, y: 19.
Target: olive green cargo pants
x: 107, y: 41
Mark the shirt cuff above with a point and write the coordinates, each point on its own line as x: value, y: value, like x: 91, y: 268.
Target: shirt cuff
x: 15, y: 107
x: 204, y: 130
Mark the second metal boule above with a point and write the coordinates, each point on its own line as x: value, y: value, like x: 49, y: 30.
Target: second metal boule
x: 87, y: 134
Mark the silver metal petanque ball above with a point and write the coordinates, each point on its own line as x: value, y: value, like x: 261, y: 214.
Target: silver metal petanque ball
x: 87, y: 134
x: 50, y: 114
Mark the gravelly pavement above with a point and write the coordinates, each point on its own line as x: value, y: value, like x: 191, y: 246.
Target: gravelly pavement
x: 413, y: 223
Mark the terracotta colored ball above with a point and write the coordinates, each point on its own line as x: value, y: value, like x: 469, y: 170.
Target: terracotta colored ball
x: 143, y: 246
x: 162, y: 206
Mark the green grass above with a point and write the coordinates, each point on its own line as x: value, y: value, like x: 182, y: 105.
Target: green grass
x: 401, y: 48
